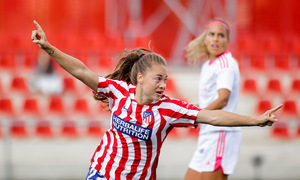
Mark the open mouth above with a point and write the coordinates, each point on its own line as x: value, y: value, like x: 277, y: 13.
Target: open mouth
x: 215, y: 46
x: 159, y: 92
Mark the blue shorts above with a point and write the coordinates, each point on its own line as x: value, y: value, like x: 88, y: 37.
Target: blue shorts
x: 93, y: 174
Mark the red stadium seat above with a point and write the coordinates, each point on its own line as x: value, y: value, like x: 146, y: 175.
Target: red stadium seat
x: 295, y: 87
x: 289, y: 109
x: 280, y: 131
x: 94, y: 129
x: 69, y: 85
x: 249, y: 87
x: 19, y: 84
x: 81, y: 106
x: 274, y: 87
x: 6, y: 107
x: 18, y: 129
x: 31, y: 107
x: 263, y: 106
x: 56, y: 106
x: 69, y: 129
x: 43, y: 129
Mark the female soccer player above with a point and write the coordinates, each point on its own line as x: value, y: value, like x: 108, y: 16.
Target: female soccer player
x: 141, y: 114
x: 218, y: 147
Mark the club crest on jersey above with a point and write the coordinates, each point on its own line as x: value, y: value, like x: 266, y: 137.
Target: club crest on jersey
x: 147, y: 116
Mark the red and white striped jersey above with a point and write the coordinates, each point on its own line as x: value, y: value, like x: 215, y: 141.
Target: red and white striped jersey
x: 131, y: 146
x: 221, y: 73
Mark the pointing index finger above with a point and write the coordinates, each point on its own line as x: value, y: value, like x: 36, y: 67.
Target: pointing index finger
x: 275, y: 109
x: 37, y: 25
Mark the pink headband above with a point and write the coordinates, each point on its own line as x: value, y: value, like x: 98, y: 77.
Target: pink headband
x: 220, y: 22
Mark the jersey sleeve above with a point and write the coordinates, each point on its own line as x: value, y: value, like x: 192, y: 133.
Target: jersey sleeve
x: 110, y: 88
x: 183, y: 114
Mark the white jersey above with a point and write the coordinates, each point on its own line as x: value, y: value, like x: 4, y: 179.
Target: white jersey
x: 223, y: 72
x: 131, y: 146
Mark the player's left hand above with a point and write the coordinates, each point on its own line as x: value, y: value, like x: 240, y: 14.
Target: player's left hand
x: 268, y: 118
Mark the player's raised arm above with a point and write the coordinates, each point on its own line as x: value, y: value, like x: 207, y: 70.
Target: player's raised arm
x: 224, y: 118
x: 72, y: 65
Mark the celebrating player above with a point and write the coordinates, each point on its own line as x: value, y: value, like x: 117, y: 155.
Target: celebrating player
x: 141, y: 114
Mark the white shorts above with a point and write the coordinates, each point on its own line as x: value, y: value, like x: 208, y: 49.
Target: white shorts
x: 215, y: 150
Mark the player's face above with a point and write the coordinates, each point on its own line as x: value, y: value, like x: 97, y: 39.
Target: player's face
x: 154, y: 82
x: 216, y: 40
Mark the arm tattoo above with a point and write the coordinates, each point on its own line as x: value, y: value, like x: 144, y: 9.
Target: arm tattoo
x: 50, y: 52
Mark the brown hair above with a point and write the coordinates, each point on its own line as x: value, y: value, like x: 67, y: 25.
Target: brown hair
x: 196, y: 49
x: 131, y: 63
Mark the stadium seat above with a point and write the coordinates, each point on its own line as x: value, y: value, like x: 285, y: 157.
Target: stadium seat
x: 69, y: 85
x: 289, y: 109
x: 18, y: 129
x: 69, y: 129
x: 280, y: 130
x: 274, y: 87
x: 31, y: 107
x: 94, y: 129
x: 249, y: 87
x: 56, y: 106
x: 43, y: 129
x: 81, y: 106
x: 295, y: 87
x: 19, y: 84
x: 263, y: 106
x: 6, y: 107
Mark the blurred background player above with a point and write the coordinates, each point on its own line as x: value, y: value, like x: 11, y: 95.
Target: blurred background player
x: 46, y: 80
x: 218, y: 147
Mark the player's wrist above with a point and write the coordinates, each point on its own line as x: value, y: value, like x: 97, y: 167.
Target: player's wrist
x: 48, y: 48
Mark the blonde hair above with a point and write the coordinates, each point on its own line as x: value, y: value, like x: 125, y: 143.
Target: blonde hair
x: 196, y: 50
